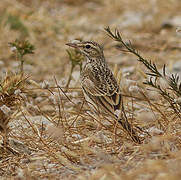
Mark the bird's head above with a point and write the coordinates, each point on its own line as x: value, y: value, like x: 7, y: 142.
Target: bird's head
x: 88, y: 48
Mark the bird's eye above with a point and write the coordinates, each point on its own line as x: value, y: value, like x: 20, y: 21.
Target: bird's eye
x: 87, y: 46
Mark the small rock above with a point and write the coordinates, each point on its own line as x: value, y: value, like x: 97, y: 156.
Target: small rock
x: 177, y: 67
x: 1, y: 63
x: 155, y: 131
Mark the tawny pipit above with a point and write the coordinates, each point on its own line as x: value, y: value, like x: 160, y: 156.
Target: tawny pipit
x: 99, y: 84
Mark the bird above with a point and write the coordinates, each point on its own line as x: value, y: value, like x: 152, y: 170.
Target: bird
x: 99, y: 85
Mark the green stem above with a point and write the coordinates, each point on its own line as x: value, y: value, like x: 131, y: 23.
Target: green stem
x: 70, y: 76
x: 20, y: 57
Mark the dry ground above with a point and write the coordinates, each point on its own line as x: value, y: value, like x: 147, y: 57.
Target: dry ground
x: 50, y: 134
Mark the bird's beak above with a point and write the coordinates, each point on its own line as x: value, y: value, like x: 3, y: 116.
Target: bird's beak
x: 74, y: 45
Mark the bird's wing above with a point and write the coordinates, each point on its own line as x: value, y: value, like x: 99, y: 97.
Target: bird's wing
x: 102, y: 88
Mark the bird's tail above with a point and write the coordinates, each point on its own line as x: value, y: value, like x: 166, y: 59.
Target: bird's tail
x: 127, y: 126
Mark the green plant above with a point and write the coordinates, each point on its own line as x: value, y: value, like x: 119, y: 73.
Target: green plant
x: 75, y: 57
x: 22, y: 48
x: 170, y: 94
x: 16, y: 24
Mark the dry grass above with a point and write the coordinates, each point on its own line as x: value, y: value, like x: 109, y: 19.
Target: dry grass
x: 46, y: 131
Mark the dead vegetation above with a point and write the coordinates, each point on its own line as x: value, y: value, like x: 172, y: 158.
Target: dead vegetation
x: 46, y: 130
